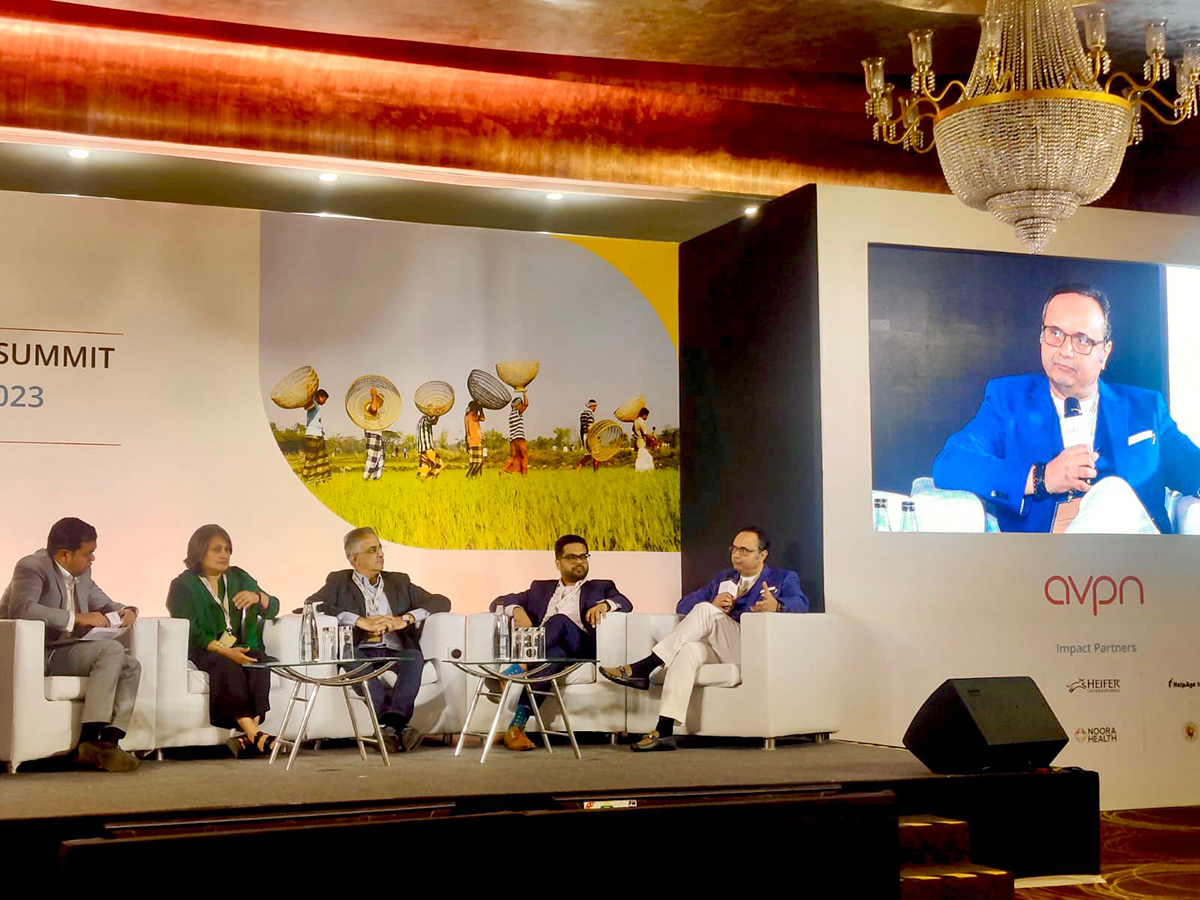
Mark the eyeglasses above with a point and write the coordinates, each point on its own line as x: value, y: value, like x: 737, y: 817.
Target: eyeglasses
x: 574, y: 557
x: 735, y: 550
x: 1081, y: 343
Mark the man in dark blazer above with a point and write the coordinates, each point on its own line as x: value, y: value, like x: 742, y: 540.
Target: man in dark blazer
x: 569, y: 608
x: 386, y: 610
x: 1065, y: 450
x: 55, y: 586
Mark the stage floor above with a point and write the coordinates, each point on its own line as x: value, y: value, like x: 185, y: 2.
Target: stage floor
x: 338, y: 775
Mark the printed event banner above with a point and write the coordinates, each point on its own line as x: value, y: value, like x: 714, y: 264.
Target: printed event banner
x: 135, y: 394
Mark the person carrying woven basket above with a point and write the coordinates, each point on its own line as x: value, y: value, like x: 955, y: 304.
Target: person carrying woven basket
x: 641, y: 440
x: 518, y: 451
x: 587, y: 419
x: 429, y: 463
x: 316, y: 455
x: 373, y: 463
x: 474, y: 431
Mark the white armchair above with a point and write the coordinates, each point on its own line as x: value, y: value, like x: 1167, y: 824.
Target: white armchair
x: 789, y: 682
x: 1184, y: 513
x: 40, y: 714
x: 593, y: 703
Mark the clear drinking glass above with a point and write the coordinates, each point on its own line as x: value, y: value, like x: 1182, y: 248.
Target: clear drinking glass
x: 328, y: 638
x: 345, y: 642
x: 540, y: 644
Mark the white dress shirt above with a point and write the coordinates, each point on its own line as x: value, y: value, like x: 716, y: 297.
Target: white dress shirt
x: 564, y: 602
x: 69, y: 582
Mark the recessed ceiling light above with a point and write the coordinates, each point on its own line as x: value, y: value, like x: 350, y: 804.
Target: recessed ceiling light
x: 554, y: 196
x: 78, y: 154
x: 751, y: 211
x: 328, y: 176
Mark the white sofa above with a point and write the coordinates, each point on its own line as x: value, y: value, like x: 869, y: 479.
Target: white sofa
x: 40, y: 714
x: 789, y: 682
x: 593, y: 703
x: 183, y: 691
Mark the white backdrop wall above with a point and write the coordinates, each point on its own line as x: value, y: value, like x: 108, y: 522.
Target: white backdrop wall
x: 173, y: 433
x: 921, y: 608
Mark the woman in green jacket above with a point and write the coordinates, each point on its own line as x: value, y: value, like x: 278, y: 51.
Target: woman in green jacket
x: 226, y: 610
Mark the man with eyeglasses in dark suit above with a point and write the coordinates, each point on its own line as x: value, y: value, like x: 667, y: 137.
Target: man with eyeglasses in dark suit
x: 1066, y: 451
x: 570, y: 608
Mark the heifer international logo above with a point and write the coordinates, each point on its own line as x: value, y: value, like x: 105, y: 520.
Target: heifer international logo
x: 1097, y: 591
x: 1095, y: 685
x: 1103, y: 734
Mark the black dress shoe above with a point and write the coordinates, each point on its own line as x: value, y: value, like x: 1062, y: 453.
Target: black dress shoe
x: 106, y: 756
x: 652, y: 742
x: 622, y: 675
x: 410, y: 739
x: 391, y: 739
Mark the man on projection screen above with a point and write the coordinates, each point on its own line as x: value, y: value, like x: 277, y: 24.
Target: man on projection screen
x: 711, y: 630
x: 1066, y: 451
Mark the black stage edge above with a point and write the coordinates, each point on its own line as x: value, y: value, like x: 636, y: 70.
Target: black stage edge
x: 750, y: 391
x: 843, y: 834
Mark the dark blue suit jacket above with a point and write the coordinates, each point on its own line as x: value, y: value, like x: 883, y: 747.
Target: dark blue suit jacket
x: 1018, y: 425
x: 787, y: 581
x: 535, y: 600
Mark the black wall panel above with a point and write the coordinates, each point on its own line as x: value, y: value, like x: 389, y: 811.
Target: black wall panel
x: 750, y: 404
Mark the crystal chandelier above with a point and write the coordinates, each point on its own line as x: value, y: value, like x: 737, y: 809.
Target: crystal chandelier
x: 1040, y: 127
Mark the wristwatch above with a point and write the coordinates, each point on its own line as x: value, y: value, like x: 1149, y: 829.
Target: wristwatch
x: 412, y: 620
x: 1039, y: 481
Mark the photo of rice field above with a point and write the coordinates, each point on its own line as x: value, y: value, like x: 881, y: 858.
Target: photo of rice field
x: 474, y: 389
x: 616, y: 508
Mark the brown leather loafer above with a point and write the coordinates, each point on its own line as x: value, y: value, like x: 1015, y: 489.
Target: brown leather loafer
x: 516, y: 739
x: 652, y: 741
x: 623, y: 675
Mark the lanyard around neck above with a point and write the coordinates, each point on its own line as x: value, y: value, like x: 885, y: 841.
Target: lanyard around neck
x: 220, y: 597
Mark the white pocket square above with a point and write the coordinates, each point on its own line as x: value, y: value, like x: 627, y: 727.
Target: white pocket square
x: 1141, y: 436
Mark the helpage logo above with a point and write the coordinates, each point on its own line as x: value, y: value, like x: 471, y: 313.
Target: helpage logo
x: 1096, y: 592
x: 1095, y: 685
x: 1103, y: 734
x: 1180, y: 683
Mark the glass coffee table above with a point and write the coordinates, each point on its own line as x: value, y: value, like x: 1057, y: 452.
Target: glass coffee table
x: 529, y: 681
x: 358, y: 671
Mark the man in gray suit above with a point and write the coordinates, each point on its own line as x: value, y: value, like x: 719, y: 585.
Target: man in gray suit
x: 55, y: 586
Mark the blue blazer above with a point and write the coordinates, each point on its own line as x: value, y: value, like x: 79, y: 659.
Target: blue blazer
x: 535, y: 600
x: 787, y: 582
x: 1017, y: 426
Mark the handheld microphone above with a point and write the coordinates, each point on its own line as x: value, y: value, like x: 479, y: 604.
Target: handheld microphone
x: 1071, y: 410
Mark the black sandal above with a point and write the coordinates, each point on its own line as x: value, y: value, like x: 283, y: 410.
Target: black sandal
x: 264, y: 743
x: 238, y: 745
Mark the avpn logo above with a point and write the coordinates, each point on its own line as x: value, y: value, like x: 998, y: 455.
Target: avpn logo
x: 1095, y: 685
x: 1104, y: 734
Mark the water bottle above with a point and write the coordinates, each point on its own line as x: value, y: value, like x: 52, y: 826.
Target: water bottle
x: 310, y: 647
x: 502, y: 641
x: 881, y: 522
x: 908, y: 516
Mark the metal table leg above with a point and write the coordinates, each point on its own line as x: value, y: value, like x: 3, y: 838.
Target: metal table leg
x: 312, y: 702
x: 374, y: 724
x: 491, y: 735
x: 287, y: 715
x: 362, y: 751
x: 538, y: 714
x: 462, y: 737
x: 566, y: 719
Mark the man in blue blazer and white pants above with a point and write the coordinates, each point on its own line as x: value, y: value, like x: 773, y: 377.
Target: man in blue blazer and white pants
x: 710, y: 631
x: 1065, y: 451
x: 569, y: 608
